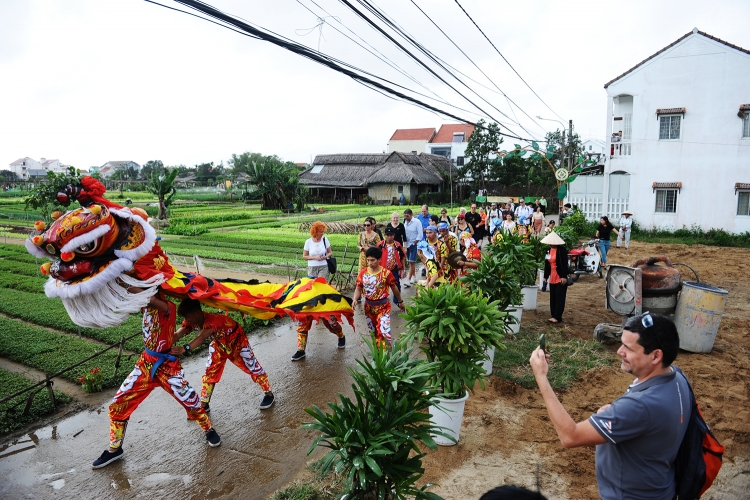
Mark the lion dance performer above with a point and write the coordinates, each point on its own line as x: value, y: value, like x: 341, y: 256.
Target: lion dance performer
x: 228, y: 342
x: 101, y: 249
x: 106, y: 264
x: 155, y: 368
x: 374, y: 281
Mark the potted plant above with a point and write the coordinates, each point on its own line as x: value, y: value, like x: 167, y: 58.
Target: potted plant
x: 374, y: 439
x: 453, y: 326
x: 518, y: 260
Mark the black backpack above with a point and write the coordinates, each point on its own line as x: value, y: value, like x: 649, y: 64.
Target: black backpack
x: 699, y: 457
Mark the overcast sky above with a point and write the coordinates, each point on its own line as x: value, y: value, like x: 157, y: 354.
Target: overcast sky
x: 89, y: 81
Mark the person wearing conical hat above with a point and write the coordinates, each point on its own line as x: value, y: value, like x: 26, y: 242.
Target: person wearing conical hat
x: 626, y: 224
x: 556, y: 275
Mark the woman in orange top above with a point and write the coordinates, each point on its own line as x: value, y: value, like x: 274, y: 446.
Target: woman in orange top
x: 556, y: 274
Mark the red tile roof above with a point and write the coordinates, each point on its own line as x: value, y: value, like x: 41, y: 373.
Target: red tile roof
x: 694, y: 32
x: 445, y: 134
x: 413, y: 134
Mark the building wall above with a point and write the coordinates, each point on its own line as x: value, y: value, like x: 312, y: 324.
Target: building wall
x: 710, y: 80
x: 406, y: 146
x: 381, y: 193
x: 21, y: 170
x: 457, y: 148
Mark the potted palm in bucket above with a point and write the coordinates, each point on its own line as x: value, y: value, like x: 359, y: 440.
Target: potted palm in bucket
x: 453, y: 326
x: 493, y: 280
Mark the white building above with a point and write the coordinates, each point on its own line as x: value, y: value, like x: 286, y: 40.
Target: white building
x: 451, y: 141
x: 108, y: 169
x: 679, y: 129
x: 22, y: 166
x: 53, y: 166
x: 411, y: 140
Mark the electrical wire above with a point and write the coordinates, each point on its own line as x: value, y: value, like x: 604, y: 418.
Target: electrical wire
x: 504, y: 59
x: 340, y: 66
x: 480, y: 70
x: 384, y: 19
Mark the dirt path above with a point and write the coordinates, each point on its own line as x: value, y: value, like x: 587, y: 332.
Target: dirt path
x: 506, y: 432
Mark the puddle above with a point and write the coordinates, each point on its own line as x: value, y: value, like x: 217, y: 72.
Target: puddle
x: 57, y: 485
x: 120, y: 481
x: 163, y: 477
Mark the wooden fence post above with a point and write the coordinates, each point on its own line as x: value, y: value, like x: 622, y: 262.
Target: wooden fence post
x: 50, y: 391
x: 119, y: 355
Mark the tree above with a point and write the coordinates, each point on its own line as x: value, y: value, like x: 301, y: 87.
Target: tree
x: 277, y: 183
x: 162, y: 185
x: 244, y: 162
x: 44, y: 197
x: 150, y: 167
x: 483, y: 144
x: 8, y: 175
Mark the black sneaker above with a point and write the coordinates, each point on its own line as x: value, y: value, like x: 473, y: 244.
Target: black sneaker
x: 107, y: 458
x: 342, y: 342
x: 298, y: 355
x: 206, y: 408
x: 268, y: 400
x: 213, y: 438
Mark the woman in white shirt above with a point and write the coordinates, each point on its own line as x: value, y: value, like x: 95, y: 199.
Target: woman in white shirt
x: 508, y: 224
x: 317, y: 250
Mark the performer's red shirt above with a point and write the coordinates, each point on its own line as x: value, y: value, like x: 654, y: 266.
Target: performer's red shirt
x: 223, y: 327
x: 375, y: 286
x: 158, y: 327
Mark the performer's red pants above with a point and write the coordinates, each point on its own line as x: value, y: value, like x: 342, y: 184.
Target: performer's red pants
x: 171, y: 377
x: 238, y: 351
x: 379, y: 322
x: 304, y: 325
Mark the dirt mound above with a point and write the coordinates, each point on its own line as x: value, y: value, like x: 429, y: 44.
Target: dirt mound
x: 507, y: 437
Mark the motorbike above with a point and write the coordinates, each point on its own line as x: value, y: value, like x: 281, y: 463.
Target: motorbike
x: 585, y: 260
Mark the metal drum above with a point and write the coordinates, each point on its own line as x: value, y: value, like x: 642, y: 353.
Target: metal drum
x: 661, y: 283
x: 698, y: 316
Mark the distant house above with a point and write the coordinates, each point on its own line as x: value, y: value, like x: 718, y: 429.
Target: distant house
x: 53, y: 166
x: 22, y: 166
x: 451, y: 141
x: 411, y: 140
x: 383, y: 177
x: 109, y: 168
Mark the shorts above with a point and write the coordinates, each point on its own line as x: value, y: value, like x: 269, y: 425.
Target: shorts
x: 411, y: 254
x: 318, y: 271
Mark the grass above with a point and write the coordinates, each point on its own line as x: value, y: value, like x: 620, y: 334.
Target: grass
x: 317, y: 487
x: 570, y: 357
x: 693, y: 236
x: 11, y: 412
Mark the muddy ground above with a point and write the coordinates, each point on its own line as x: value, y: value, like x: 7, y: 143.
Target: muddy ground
x: 506, y: 435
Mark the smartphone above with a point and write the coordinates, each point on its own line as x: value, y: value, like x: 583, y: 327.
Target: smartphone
x: 543, y: 342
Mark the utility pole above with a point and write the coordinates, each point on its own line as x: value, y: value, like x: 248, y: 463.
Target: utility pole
x: 570, y: 146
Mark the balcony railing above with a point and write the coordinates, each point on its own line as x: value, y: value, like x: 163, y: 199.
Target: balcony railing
x: 618, y: 148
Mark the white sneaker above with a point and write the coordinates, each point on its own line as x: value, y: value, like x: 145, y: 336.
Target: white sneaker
x: 413, y: 280
x: 406, y: 284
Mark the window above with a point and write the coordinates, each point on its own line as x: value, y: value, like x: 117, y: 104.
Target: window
x: 413, y: 152
x: 666, y: 201
x: 458, y: 137
x: 669, y: 127
x: 746, y: 125
x: 743, y: 203
x: 441, y: 151
x: 460, y: 161
x: 590, y: 147
x: 401, y: 189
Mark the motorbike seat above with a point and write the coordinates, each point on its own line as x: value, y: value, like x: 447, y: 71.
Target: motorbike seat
x: 578, y: 251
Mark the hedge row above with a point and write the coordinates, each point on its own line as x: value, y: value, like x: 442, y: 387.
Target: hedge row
x: 11, y: 412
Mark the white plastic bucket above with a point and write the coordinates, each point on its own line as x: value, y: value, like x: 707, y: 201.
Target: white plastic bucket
x: 529, y: 297
x: 540, y: 278
x: 517, y: 312
x: 698, y: 315
x: 487, y: 365
x: 450, y: 415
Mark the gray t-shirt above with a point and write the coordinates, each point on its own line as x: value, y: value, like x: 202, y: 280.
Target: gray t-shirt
x: 644, y: 429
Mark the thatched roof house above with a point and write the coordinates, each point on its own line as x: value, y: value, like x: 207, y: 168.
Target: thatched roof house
x: 382, y: 177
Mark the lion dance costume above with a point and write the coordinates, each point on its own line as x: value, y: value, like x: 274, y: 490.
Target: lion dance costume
x: 101, y: 249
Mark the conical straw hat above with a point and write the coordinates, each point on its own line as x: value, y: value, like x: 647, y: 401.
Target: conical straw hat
x: 553, y: 239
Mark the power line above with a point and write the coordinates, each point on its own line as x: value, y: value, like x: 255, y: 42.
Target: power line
x: 504, y: 59
x: 394, y: 26
x: 480, y: 70
x: 306, y: 52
